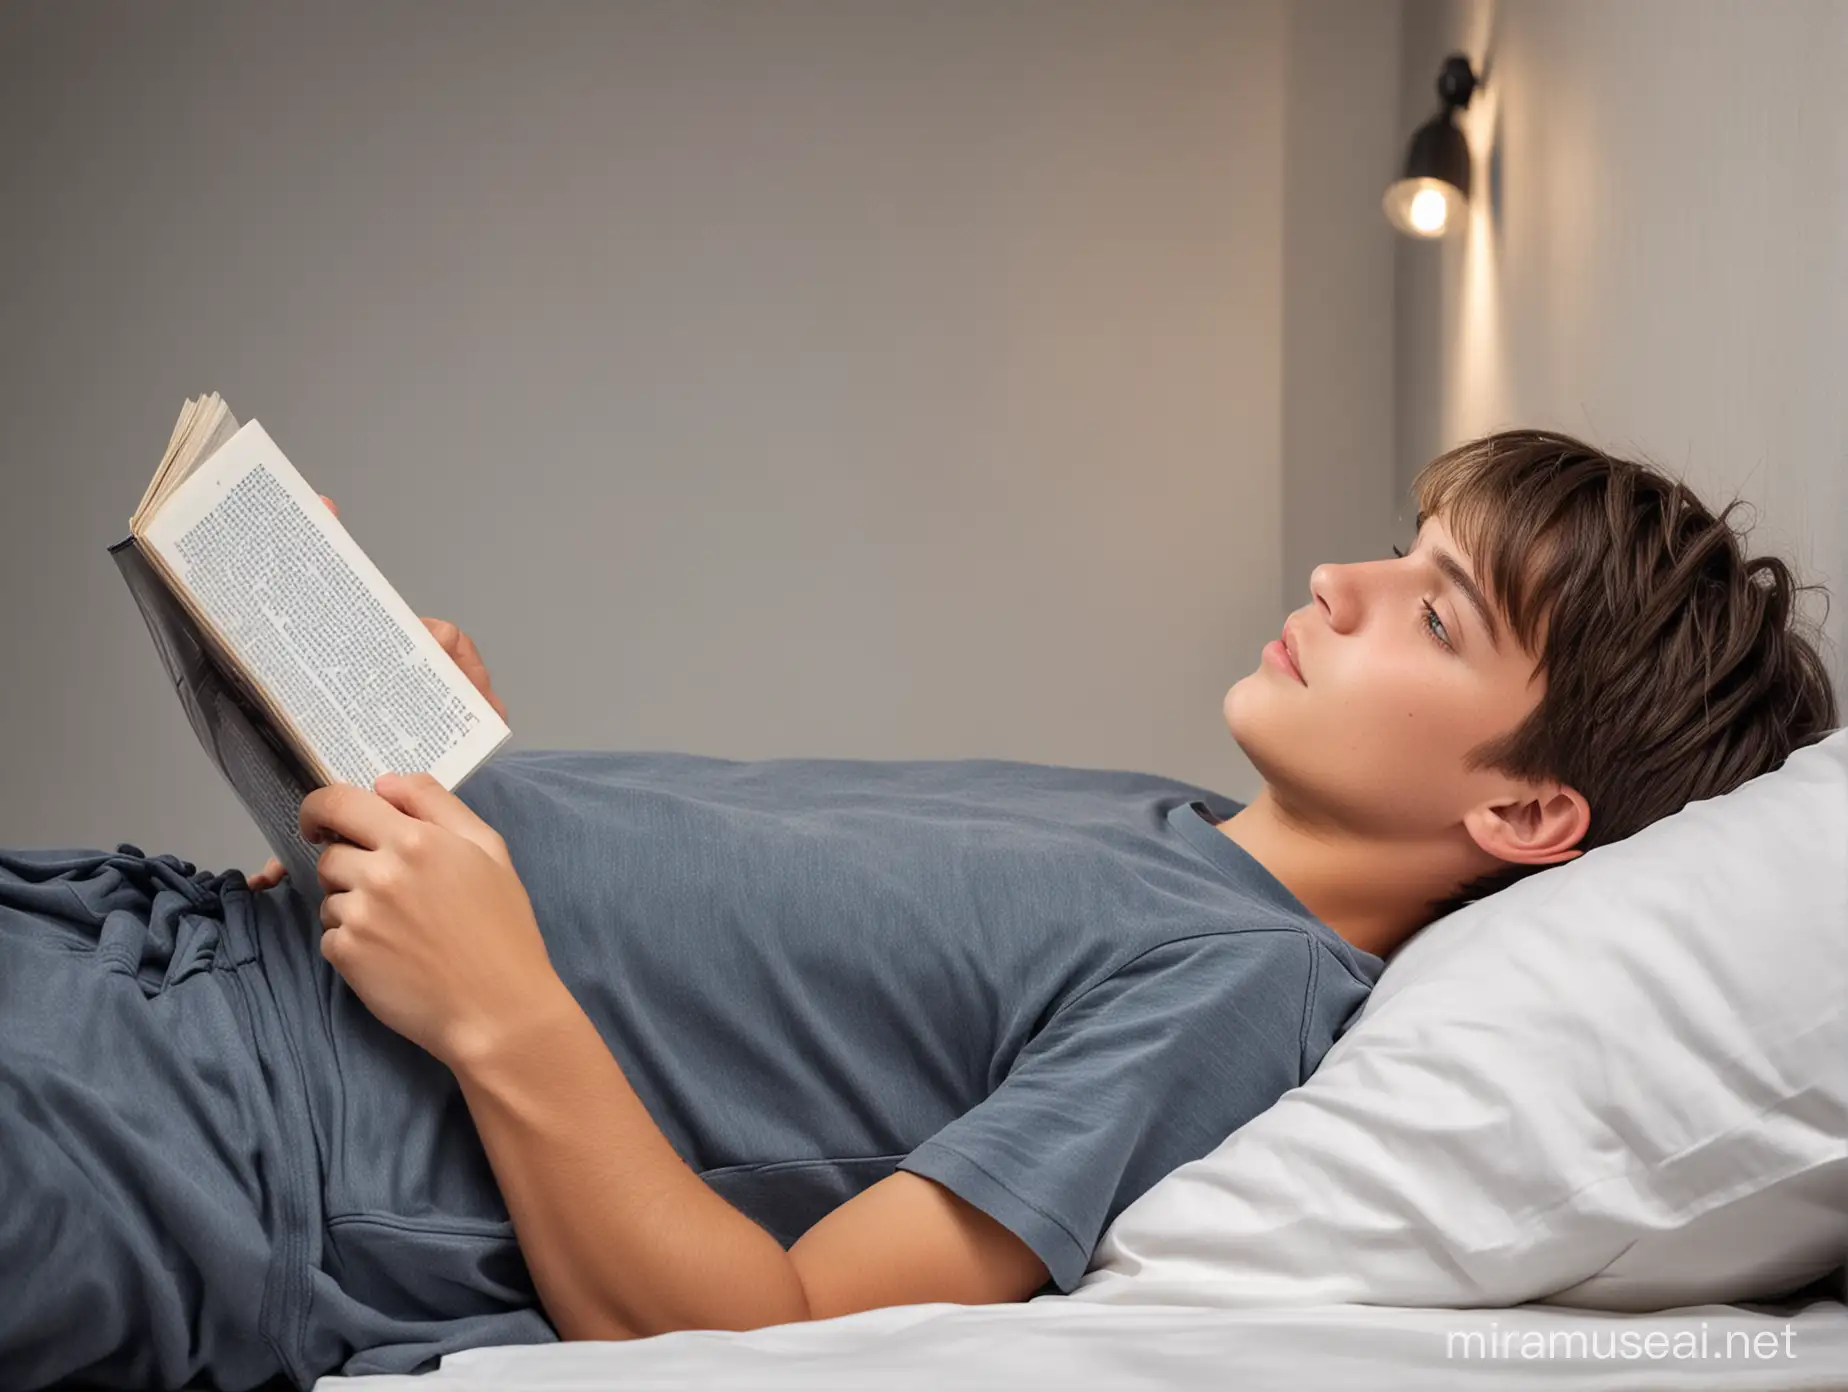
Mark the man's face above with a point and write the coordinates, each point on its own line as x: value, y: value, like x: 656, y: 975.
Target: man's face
x: 1372, y: 740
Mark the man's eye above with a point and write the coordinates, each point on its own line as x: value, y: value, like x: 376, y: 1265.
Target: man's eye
x: 1434, y: 626
x: 1428, y: 619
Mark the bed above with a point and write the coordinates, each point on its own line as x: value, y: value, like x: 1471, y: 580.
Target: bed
x: 1054, y: 1342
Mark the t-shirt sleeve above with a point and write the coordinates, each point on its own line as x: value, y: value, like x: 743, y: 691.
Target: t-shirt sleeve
x: 1147, y: 1069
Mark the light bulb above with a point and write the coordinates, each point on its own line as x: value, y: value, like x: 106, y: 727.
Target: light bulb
x: 1428, y: 211
x: 1426, y: 208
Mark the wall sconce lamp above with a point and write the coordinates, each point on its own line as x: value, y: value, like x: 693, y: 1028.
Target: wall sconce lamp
x: 1432, y: 198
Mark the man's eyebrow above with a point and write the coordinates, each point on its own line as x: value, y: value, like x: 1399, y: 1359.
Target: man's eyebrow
x: 1454, y: 572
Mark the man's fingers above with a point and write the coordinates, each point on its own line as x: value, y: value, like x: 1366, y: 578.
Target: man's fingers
x: 270, y: 874
x: 455, y: 642
x: 345, y: 812
x: 337, y: 868
x: 330, y: 504
x: 419, y: 795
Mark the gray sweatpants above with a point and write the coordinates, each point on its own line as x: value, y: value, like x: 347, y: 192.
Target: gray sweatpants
x: 216, y: 1166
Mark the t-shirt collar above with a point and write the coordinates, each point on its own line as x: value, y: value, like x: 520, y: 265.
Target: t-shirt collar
x: 1195, y: 821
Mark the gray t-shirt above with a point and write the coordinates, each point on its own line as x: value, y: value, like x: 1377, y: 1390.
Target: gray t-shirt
x: 1043, y: 987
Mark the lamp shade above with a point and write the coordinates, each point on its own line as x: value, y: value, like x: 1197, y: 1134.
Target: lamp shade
x: 1432, y: 199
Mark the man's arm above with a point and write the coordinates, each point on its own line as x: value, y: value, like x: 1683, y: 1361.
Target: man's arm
x: 623, y: 1239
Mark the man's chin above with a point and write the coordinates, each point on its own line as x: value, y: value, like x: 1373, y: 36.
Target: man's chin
x: 1236, y: 696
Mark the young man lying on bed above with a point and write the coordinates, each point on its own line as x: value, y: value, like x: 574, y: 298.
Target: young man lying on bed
x: 622, y: 1043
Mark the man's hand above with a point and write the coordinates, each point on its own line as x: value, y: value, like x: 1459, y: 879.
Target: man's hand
x: 425, y: 916
x: 462, y: 651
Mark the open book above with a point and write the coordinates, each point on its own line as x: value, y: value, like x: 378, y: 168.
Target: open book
x: 296, y: 661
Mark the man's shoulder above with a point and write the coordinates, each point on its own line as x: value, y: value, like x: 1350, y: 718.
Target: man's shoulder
x: 1217, y: 960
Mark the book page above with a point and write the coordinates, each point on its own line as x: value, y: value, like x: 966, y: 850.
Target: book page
x: 360, y: 682
x: 203, y: 426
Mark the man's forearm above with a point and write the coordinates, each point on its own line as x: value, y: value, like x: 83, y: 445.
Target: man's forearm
x: 622, y: 1238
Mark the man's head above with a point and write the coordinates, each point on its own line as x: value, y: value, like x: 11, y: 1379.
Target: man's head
x: 1631, y: 659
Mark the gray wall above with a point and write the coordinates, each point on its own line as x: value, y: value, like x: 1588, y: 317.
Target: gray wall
x: 1341, y: 143
x: 1666, y: 269
x: 865, y: 380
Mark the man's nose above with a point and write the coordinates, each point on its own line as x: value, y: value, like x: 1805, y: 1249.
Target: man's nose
x: 1343, y: 593
x: 1326, y: 584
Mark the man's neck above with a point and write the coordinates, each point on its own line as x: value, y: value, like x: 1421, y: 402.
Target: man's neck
x: 1372, y: 893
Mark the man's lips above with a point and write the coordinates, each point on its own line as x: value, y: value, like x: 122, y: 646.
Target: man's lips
x: 1277, y: 652
x: 1289, y: 646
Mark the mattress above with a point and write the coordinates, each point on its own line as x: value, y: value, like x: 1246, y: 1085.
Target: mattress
x: 1077, y: 1346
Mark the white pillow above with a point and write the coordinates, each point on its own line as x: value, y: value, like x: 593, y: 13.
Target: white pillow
x: 1621, y: 1083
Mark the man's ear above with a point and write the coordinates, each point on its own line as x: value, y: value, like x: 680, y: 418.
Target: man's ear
x: 1538, y: 827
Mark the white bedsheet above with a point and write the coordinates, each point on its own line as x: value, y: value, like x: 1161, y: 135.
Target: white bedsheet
x: 1077, y: 1347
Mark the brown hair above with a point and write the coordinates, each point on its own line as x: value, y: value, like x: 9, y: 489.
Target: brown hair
x: 1676, y: 667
